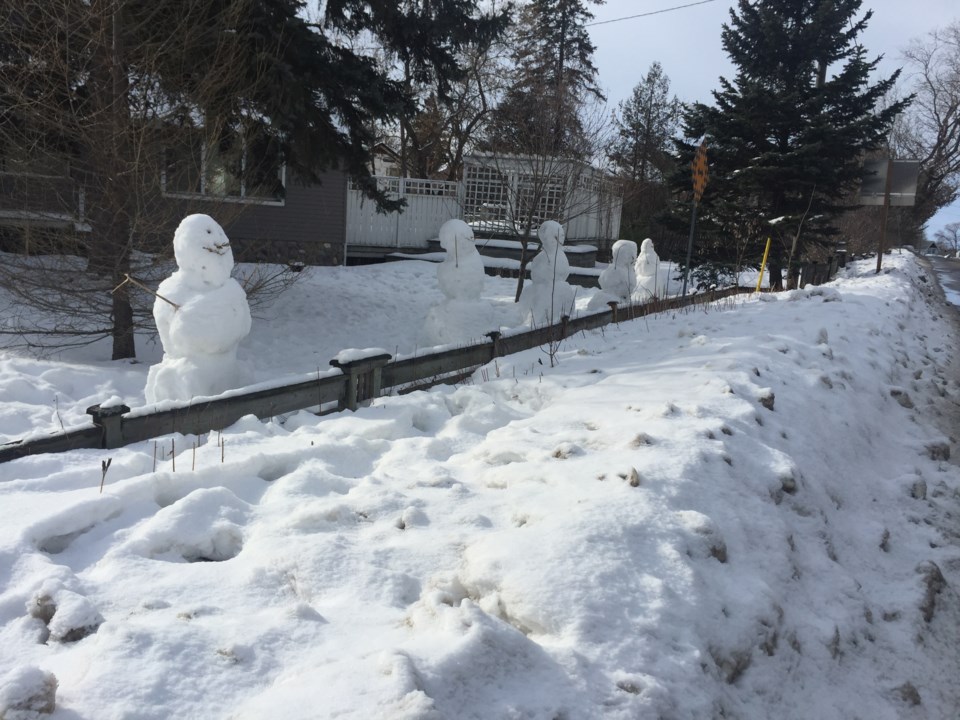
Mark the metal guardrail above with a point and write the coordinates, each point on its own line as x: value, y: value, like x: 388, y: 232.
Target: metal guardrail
x: 361, y: 380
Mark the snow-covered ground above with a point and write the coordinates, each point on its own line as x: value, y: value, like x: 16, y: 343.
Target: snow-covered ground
x: 741, y: 511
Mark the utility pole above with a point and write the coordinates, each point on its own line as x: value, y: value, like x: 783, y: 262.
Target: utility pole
x: 700, y: 177
x: 883, y: 213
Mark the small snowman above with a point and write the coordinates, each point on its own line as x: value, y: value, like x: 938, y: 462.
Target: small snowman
x: 646, y: 268
x: 462, y: 316
x: 619, y: 279
x: 548, y: 297
x: 461, y: 273
x: 201, y: 315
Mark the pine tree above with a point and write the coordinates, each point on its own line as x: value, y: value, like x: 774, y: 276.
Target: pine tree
x: 645, y: 126
x: 553, y: 77
x: 642, y: 150
x: 787, y: 134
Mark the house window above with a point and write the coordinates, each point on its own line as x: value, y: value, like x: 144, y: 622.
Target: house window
x: 183, y: 168
x: 234, y: 170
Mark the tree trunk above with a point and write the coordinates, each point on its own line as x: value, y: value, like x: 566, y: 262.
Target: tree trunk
x: 124, y: 345
x: 109, y: 259
x: 524, y: 261
x: 775, y: 265
x: 793, y: 275
x: 110, y: 157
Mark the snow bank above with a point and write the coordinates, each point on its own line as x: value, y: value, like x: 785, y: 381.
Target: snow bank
x: 743, y: 510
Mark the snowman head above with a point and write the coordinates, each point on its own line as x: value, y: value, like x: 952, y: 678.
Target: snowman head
x: 624, y: 253
x: 646, y: 247
x: 551, y: 235
x: 203, y: 251
x: 453, y: 233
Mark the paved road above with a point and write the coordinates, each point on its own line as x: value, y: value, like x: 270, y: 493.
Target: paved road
x: 948, y: 273
x: 947, y: 410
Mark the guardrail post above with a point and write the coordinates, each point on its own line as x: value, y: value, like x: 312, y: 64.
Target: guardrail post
x: 110, y: 421
x: 494, y: 336
x: 613, y: 310
x: 363, y: 379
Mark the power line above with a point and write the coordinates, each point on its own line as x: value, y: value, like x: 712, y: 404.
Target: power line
x: 652, y: 12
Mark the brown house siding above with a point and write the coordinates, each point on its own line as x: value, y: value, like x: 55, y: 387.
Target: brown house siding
x: 310, y: 227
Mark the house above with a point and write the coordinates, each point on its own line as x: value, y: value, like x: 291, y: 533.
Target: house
x: 269, y: 215
x: 266, y: 212
x: 386, y: 161
x: 37, y: 200
x: 498, y: 196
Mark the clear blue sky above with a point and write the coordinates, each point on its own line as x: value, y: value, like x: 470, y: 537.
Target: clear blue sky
x: 687, y: 43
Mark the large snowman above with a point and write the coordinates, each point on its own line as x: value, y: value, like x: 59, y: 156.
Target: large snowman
x: 619, y: 279
x: 201, y: 314
x: 462, y: 316
x: 548, y: 297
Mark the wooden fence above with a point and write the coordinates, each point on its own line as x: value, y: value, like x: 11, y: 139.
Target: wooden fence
x: 430, y: 203
x: 359, y: 381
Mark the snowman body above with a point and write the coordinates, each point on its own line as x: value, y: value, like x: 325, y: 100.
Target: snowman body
x: 201, y: 314
x: 549, y: 296
x: 646, y: 267
x: 462, y: 316
x: 618, y: 281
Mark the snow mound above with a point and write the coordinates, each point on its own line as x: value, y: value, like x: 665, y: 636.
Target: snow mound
x: 27, y: 693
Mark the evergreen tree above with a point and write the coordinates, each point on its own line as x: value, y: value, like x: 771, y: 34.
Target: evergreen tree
x: 787, y: 134
x: 642, y: 150
x: 553, y: 77
x: 645, y: 126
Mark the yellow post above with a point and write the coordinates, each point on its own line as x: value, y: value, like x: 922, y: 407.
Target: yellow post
x: 763, y: 264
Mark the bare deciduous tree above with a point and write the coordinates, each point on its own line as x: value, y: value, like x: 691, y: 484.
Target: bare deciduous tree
x: 434, y: 140
x: 948, y: 237
x: 642, y: 150
x: 540, y: 182
x: 93, y: 98
x: 548, y: 135
x: 930, y: 129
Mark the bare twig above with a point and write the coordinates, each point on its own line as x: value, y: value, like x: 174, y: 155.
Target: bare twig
x: 56, y: 402
x: 128, y: 279
x: 104, y: 466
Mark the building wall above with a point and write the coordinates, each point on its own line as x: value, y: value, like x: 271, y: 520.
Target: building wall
x: 310, y: 227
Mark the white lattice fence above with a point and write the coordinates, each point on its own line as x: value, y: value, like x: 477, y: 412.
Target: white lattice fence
x: 590, y: 209
x: 499, y: 190
x: 430, y: 203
